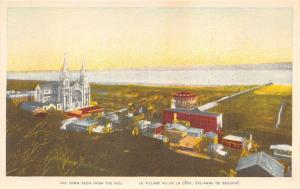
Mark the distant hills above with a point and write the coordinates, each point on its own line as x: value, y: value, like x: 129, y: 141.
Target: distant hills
x: 264, y: 66
x: 269, y: 66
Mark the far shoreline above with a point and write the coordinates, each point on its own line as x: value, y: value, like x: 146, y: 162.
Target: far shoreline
x: 157, y: 85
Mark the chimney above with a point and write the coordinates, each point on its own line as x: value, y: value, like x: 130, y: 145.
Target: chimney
x: 173, y: 105
x: 175, y: 117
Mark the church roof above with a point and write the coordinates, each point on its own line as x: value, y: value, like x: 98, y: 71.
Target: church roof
x: 49, y: 85
x: 31, y: 106
x: 194, y: 111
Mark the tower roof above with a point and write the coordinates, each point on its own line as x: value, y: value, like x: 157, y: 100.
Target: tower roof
x: 83, y: 66
x: 184, y: 94
x: 65, y: 65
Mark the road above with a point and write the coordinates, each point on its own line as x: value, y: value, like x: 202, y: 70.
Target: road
x: 117, y: 111
x: 279, y: 115
x: 213, y: 104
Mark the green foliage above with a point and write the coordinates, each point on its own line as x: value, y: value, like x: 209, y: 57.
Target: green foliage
x: 257, y: 114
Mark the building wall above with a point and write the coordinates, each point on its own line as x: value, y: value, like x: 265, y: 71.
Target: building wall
x: 232, y: 144
x: 64, y: 93
x: 207, y: 123
x: 80, y: 128
x: 18, y: 100
x: 174, y: 136
x: 253, y: 171
x: 159, y: 130
x: 185, y: 102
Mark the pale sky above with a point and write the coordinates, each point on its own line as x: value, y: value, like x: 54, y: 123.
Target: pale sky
x: 141, y: 38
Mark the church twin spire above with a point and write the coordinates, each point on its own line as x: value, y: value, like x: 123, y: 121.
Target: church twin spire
x: 65, y: 75
x: 65, y: 65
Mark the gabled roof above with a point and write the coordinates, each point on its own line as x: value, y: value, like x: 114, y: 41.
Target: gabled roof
x: 211, y: 134
x: 176, y: 126
x: 19, y: 95
x: 69, y: 120
x: 49, y: 85
x: 264, y: 161
x: 195, y: 130
x: 31, y: 106
x: 91, y: 109
x: 283, y: 147
x: 234, y: 138
x: 86, y: 122
x: 155, y: 125
x: 194, y: 111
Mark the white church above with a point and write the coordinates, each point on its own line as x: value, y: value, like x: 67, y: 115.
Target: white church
x: 64, y: 94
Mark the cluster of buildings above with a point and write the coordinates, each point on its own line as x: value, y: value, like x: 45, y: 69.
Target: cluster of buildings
x: 70, y: 97
x: 88, y: 125
x: 18, y: 97
x: 185, y: 126
x: 63, y: 94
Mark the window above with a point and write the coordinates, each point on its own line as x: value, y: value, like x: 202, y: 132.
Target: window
x: 47, y: 91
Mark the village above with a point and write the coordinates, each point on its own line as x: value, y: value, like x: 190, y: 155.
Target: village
x: 185, y: 128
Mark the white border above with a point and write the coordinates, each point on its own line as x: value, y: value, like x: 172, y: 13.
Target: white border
x: 132, y: 182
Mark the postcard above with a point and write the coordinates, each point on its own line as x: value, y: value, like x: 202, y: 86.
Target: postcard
x: 150, y: 94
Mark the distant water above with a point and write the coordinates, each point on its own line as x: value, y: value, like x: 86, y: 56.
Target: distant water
x: 173, y: 77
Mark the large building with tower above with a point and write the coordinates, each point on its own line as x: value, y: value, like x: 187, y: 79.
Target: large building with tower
x: 64, y: 94
x: 183, y: 108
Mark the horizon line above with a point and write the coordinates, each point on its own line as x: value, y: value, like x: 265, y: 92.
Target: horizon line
x: 203, y: 66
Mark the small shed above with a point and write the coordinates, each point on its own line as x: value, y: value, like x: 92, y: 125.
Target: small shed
x: 233, y: 141
x: 153, y: 130
x: 114, y: 118
x: 35, y: 108
x: 282, y: 150
x: 189, y: 143
x: 85, y: 125
x: 195, y: 132
x: 143, y: 124
x: 86, y: 112
x: 67, y: 121
x: 176, y: 126
x: 211, y: 136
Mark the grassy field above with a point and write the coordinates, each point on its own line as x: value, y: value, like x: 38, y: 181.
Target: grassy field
x: 36, y: 146
x: 257, y: 113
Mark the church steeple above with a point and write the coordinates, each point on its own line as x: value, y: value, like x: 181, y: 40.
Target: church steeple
x: 65, y: 73
x: 65, y: 65
x: 83, y: 65
x: 83, y: 77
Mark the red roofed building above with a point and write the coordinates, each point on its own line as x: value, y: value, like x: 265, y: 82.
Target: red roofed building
x: 198, y: 119
x: 184, y: 108
x: 85, y: 112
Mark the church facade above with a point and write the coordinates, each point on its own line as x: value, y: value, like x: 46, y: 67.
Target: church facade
x: 64, y: 94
